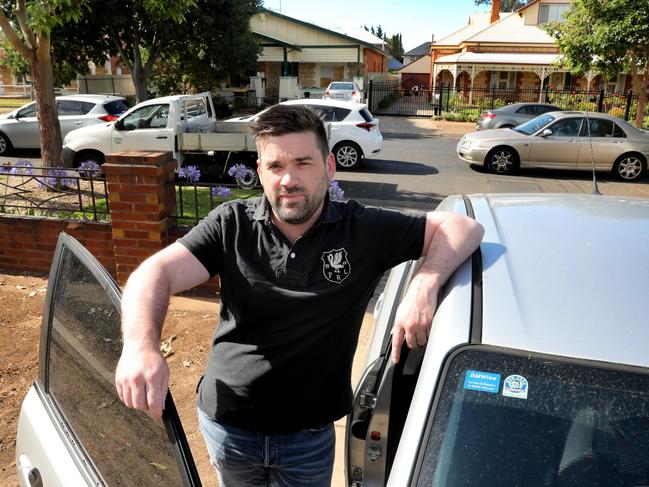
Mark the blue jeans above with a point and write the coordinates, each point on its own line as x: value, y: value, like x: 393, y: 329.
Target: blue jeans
x: 245, y: 458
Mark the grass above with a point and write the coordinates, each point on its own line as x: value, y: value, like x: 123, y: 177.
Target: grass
x: 197, y: 202
x: 13, y: 102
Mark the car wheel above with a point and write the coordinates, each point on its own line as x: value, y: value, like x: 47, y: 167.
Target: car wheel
x: 5, y: 144
x: 502, y: 160
x: 89, y: 156
x: 249, y: 180
x: 629, y: 167
x: 347, y: 154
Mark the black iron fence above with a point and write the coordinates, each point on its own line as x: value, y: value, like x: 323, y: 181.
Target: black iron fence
x: 464, y: 103
x: 195, y: 200
x: 58, y: 192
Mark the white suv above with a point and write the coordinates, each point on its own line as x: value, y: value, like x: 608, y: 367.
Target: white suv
x: 354, y: 132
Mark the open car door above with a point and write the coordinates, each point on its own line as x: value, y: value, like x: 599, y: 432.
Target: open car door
x: 73, y: 429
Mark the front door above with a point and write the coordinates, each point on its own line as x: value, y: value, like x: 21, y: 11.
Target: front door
x: 561, y: 148
x: 73, y: 429
x: 147, y: 128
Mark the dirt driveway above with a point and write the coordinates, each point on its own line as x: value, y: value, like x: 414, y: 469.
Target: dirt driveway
x: 190, y: 321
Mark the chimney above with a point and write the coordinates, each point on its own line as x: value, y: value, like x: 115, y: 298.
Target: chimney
x: 495, y: 11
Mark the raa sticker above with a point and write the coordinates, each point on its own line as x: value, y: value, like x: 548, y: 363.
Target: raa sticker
x: 515, y: 386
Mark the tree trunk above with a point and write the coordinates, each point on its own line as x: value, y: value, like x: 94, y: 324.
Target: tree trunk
x: 642, y: 90
x: 139, y: 80
x: 48, y: 121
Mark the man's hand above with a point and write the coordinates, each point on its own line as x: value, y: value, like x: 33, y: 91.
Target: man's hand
x: 414, y: 317
x: 142, y: 380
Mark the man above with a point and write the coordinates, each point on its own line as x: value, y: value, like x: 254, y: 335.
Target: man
x: 296, y: 271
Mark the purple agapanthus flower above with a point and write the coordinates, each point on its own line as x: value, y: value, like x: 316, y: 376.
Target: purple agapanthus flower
x: 57, y: 177
x: 191, y: 173
x: 221, y: 192
x: 21, y: 168
x: 5, y: 170
x: 238, y: 171
x: 88, y: 169
x: 335, y: 191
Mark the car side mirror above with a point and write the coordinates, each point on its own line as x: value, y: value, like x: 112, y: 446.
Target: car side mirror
x: 119, y: 124
x: 546, y: 133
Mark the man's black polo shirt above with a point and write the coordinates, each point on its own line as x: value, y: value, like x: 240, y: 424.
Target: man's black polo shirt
x: 291, y: 314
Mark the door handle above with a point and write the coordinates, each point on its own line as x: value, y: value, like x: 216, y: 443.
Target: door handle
x: 161, y: 137
x: 30, y: 475
x: 78, y: 122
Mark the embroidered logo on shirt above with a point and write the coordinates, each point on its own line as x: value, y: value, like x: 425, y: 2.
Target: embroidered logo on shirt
x: 335, y: 265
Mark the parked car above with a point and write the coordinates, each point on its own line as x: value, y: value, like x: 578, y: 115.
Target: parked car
x: 561, y: 140
x: 512, y: 115
x: 343, y: 90
x: 19, y: 129
x: 536, y: 371
x: 354, y: 132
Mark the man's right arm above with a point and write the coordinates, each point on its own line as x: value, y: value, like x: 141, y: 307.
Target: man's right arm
x: 142, y: 375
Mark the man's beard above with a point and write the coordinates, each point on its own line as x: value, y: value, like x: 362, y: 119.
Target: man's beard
x: 296, y: 213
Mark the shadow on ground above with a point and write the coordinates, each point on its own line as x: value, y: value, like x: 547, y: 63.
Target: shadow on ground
x: 386, y: 194
x: 387, y: 166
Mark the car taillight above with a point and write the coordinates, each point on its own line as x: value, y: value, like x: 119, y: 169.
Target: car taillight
x: 327, y: 92
x: 353, y: 92
x: 366, y: 125
x: 108, y: 118
x: 488, y: 115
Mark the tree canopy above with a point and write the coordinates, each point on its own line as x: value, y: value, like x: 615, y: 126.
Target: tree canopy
x: 608, y: 37
x: 505, y: 5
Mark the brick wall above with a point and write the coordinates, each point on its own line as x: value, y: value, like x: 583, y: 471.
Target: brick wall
x: 28, y: 243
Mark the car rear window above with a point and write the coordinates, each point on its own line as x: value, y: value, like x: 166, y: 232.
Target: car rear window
x: 507, y: 420
x: 116, y: 107
x: 342, y: 86
x: 367, y: 116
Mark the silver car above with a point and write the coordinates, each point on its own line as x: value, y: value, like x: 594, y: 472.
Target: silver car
x: 512, y: 115
x: 19, y: 129
x: 561, y: 140
x: 343, y: 90
x: 536, y: 372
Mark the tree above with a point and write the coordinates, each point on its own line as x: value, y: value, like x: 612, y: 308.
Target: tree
x: 505, y: 5
x: 139, y: 31
x: 28, y: 28
x: 214, y: 41
x: 608, y: 37
x: 396, y: 47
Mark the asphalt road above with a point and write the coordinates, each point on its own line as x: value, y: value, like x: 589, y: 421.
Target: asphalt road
x: 418, y: 168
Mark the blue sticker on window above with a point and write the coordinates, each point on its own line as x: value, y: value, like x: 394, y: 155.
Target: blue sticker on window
x: 482, y: 381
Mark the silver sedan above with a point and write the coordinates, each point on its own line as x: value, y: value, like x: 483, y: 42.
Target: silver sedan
x: 561, y: 140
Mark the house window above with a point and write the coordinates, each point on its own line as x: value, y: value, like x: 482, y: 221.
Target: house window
x: 503, y: 79
x: 552, y: 12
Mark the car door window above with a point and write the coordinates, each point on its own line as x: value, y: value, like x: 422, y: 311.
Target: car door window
x: 69, y: 107
x: 126, y: 447
x: 601, y: 128
x: 28, y: 111
x: 566, y: 127
x: 541, y: 109
x: 148, y: 117
x: 526, y: 110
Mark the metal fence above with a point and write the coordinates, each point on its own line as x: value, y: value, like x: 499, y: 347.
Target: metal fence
x: 464, y: 103
x: 195, y: 200
x: 57, y: 192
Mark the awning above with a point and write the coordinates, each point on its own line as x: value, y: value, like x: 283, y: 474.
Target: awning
x: 525, y: 58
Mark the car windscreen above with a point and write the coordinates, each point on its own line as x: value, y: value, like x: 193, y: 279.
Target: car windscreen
x: 535, y: 124
x: 116, y: 107
x: 505, y: 420
x: 341, y: 86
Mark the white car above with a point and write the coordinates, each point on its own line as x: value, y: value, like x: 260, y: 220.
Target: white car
x: 343, y: 90
x: 19, y: 129
x: 354, y: 132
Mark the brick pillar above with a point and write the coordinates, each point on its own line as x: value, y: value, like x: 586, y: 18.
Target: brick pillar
x: 142, y: 199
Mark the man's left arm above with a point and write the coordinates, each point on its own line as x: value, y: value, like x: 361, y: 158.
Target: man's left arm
x: 449, y: 240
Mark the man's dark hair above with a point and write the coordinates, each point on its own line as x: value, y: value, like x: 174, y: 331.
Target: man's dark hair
x: 290, y: 119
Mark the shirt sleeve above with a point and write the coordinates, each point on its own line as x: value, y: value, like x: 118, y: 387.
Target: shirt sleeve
x: 205, y: 242
x: 396, y: 236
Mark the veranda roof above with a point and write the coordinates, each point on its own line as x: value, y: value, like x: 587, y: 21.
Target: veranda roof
x: 527, y: 58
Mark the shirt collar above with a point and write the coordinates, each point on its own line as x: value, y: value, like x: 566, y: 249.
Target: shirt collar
x: 330, y: 213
